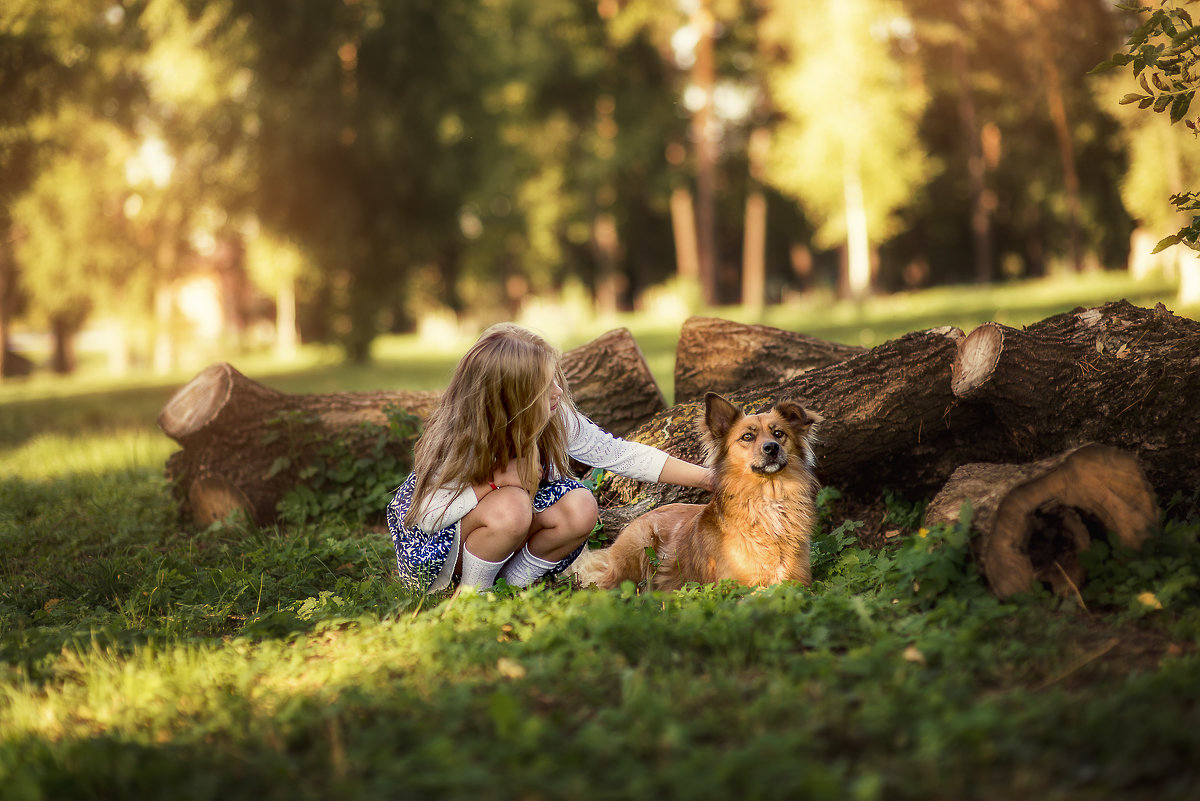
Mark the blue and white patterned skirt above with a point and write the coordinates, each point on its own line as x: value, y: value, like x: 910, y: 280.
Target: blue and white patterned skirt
x: 421, y: 557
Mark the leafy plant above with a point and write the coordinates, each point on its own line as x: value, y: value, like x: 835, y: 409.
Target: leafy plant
x: 345, y: 481
x: 1164, y: 54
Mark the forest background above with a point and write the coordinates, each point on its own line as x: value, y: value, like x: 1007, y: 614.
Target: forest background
x: 180, y: 179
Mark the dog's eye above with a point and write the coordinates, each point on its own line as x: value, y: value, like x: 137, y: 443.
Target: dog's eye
x: 779, y: 434
x: 748, y: 436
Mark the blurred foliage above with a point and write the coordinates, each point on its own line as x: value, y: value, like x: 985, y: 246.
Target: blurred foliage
x: 1163, y: 53
x: 389, y: 160
x: 850, y: 96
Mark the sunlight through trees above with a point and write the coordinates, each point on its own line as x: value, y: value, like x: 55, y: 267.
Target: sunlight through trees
x: 335, y: 169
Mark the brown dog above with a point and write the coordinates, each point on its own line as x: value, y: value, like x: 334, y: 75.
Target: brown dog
x: 755, y: 529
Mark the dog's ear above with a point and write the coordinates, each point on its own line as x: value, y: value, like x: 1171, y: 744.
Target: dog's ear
x: 719, y: 415
x: 801, y: 420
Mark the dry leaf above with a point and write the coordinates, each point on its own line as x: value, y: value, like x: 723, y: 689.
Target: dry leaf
x: 510, y: 668
x: 1150, y: 599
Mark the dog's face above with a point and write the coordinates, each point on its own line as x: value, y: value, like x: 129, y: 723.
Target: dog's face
x: 762, y: 443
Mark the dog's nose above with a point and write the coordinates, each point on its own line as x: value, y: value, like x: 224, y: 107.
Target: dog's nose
x: 771, y: 449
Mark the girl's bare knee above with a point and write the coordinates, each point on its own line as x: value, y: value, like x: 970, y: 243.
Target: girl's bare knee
x: 581, y: 511
x: 507, y: 510
x: 573, y: 517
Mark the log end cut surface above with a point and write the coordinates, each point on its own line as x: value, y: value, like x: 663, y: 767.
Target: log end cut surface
x: 197, y: 402
x: 976, y: 361
x: 213, y: 499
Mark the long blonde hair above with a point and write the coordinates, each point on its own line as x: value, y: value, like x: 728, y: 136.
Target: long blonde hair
x: 491, y: 413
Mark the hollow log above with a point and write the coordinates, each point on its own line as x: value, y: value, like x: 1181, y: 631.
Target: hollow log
x: 1030, y: 522
x: 890, y: 422
x: 245, y: 445
x: 723, y: 356
x: 1117, y: 374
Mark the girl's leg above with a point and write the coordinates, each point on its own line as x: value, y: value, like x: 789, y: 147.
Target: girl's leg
x: 558, y: 530
x: 564, y: 526
x: 495, y: 528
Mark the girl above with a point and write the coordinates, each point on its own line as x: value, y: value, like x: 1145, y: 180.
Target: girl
x: 491, y: 493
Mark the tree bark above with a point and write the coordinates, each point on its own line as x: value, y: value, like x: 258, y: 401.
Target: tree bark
x: 1117, y: 375
x: 890, y: 422
x: 611, y: 382
x: 1030, y: 522
x: 715, y: 355
x: 245, y: 444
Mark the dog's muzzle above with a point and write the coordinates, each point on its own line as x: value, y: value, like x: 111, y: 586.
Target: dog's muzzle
x: 775, y: 459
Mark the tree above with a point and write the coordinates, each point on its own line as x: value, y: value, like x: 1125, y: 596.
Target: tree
x: 70, y: 242
x: 850, y: 104
x: 53, y: 55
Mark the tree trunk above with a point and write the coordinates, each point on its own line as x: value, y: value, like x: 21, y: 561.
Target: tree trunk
x: 754, y: 231
x: 7, y: 364
x: 858, y: 247
x: 981, y: 216
x: 683, y: 224
x: 1046, y: 51
x: 1117, y: 375
x: 890, y: 422
x: 606, y: 247
x: 286, y: 338
x: 722, y: 356
x: 245, y: 445
x: 62, y: 331
x: 704, y: 77
x: 1030, y: 522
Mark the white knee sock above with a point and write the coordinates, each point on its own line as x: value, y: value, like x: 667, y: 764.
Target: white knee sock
x: 479, y: 574
x: 524, y: 568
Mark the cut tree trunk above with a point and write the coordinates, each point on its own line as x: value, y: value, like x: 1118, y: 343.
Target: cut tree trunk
x: 1030, y: 522
x: 611, y: 382
x: 1117, y: 374
x: 890, y: 422
x: 245, y: 445
x: 715, y: 355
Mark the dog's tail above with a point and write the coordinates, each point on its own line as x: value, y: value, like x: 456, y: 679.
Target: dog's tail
x: 630, y: 558
x: 591, y: 566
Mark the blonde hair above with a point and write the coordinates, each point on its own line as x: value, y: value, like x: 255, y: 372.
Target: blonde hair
x: 492, y: 413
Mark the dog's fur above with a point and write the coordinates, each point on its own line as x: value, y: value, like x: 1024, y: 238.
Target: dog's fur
x: 756, y: 528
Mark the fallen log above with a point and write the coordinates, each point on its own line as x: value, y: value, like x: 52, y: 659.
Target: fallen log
x: 723, y: 356
x: 890, y: 422
x: 1030, y: 522
x: 1117, y: 374
x: 245, y: 445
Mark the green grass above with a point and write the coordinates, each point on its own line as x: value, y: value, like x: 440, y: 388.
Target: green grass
x: 141, y: 658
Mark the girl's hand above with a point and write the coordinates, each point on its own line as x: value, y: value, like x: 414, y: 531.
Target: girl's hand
x: 521, y: 472
x: 509, y: 475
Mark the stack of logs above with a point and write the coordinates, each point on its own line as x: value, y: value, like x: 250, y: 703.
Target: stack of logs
x: 1055, y: 434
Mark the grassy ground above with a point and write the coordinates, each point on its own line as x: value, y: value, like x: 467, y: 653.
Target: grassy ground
x: 140, y: 658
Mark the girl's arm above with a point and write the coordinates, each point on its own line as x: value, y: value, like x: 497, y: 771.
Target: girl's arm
x: 594, y: 446
x: 677, y: 471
